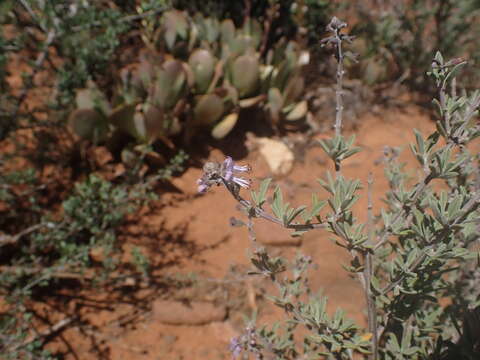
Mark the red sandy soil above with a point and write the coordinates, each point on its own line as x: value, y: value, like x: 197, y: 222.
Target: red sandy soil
x: 185, y: 233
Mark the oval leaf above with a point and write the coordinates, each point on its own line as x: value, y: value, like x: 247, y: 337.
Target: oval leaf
x: 246, y: 75
x: 89, y: 124
x: 208, y: 109
x: 202, y: 64
x: 225, y: 126
x: 298, y: 112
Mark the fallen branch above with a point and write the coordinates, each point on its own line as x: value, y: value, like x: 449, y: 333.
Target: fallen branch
x: 41, y: 336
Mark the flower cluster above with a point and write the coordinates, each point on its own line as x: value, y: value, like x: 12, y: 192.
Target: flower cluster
x: 246, y: 342
x: 216, y: 173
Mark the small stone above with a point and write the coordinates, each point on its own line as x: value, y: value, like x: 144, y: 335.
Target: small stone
x: 129, y: 282
x: 194, y: 313
x: 278, y: 156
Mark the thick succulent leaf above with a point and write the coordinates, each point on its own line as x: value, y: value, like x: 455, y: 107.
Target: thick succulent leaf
x: 253, y: 29
x: 243, y: 44
x: 122, y: 118
x: 146, y: 72
x: 172, y: 127
x: 202, y: 63
x: 275, y: 103
x: 92, y: 98
x: 89, y: 124
x: 227, y: 31
x: 175, y: 71
x: 249, y: 102
x: 294, y: 89
x: 208, y: 110
x: 84, y: 99
x: 154, y: 121
x: 266, y: 75
x: 277, y: 55
x: 283, y: 73
x: 171, y: 83
x: 226, y: 51
x: 133, y: 86
x: 212, y: 29
x: 175, y: 24
x: 138, y: 127
x: 225, y: 126
x: 298, y: 112
x: 246, y: 75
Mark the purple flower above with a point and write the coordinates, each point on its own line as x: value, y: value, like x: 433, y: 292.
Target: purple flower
x: 230, y: 168
x: 235, y: 347
x: 202, y: 186
x: 215, y: 173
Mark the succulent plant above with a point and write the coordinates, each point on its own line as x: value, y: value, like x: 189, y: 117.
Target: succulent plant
x: 201, y: 75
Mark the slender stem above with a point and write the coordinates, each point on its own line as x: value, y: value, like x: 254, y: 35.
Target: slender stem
x: 34, y: 17
x: 339, y: 93
x: 368, y: 274
x: 13, y: 239
x: 255, y: 211
x: 339, y: 88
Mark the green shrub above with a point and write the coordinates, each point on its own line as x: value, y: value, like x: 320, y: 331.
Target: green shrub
x: 52, y: 247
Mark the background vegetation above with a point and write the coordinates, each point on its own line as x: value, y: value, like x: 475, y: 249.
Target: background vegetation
x: 103, y: 101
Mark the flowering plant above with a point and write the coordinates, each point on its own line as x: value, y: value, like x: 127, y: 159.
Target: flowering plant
x: 418, y: 250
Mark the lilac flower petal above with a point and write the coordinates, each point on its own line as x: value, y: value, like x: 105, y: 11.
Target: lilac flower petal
x: 228, y: 162
x: 228, y: 165
x: 241, y: 168
x: 235, y: 347
x: 202, y: 188
x: 245, y: 183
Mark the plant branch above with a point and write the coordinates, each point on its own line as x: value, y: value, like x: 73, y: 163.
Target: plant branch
x: 471, y: 205
x: 13, y: 239
x: 46, y: 333
x: 420, y: 188
x: 368, y: 273
x: 339, y: 86
x: 255, y: 211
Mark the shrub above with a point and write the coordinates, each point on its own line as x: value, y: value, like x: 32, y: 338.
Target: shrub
x: 411, y: 258
x: 77, y: 243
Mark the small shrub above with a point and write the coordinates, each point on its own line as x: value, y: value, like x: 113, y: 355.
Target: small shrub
x: 63, y: 246
x: 410, y: 259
